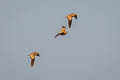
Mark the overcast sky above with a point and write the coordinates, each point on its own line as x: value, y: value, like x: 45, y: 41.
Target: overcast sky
x: 90, y: 51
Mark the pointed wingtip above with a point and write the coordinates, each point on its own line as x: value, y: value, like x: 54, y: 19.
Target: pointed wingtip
x: 31, y: 65
x: 56, y: 35
x: 69, y: 27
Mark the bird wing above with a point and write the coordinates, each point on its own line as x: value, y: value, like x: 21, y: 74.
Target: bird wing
x: 70, y: 23
x: 57, y: 35
x: 32, y: 62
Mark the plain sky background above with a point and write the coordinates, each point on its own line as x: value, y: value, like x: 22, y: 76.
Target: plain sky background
x: 90, y: 51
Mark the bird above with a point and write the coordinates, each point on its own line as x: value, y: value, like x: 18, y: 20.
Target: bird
x: 32, y: 56
x: 62, y: 31
x: 69, y: 17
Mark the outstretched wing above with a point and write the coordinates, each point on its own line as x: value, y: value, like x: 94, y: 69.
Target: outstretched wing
x: 57, y: 35
x: 32, y: 62
x: 70, y: 23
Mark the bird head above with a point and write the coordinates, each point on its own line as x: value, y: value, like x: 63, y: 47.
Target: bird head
x: 63, y: 27
x: 38, y: 55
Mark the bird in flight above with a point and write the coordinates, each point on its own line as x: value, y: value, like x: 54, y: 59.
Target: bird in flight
x: 62, y: 31
x: 69, y: 17
x: 32, y: 56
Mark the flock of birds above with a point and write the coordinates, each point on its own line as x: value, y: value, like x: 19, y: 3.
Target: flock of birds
x: 62, y: 32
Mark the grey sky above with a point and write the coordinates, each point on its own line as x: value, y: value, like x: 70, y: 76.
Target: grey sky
x: 90, y: 51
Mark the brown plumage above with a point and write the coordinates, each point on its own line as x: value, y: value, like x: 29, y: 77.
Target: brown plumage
x: 69, y: 17
x: 62, y: 31
x: 32, y: 56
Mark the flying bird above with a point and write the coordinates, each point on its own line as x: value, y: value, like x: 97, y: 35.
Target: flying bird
x: 69, y: 17
x: 62, y: 31
x: 32, y: 56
